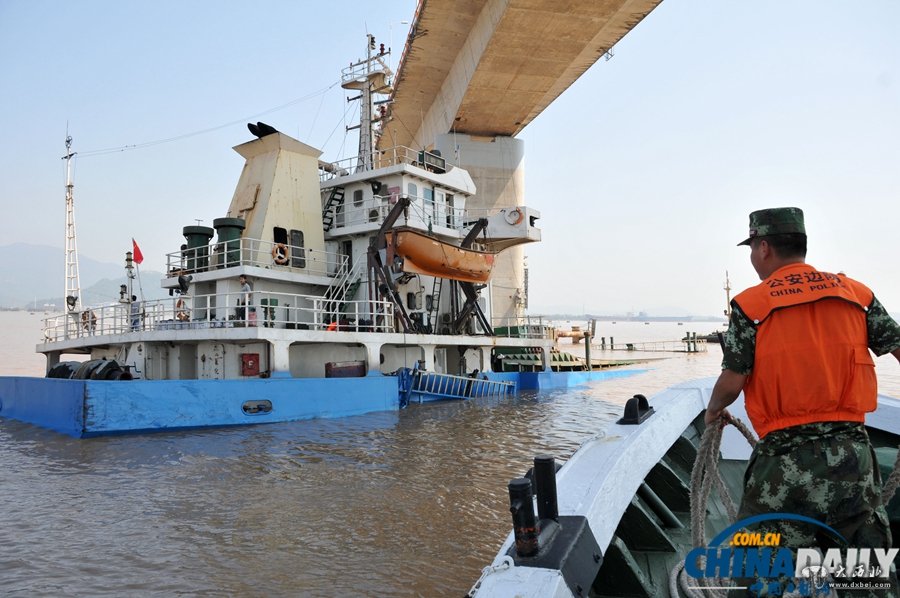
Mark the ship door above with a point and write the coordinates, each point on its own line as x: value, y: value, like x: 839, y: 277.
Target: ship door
x: 212, y: 362
x: 298, y: 253
x: 347, y: 250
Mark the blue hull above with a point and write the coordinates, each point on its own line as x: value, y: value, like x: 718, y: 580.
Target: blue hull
x: 83, y: 408
x: 539, y: 381
x: 550, y: 380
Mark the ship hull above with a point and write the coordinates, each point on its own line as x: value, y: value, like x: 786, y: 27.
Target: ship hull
x: 85, y: 408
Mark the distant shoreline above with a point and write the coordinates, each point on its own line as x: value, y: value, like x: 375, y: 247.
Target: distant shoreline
x: 587, y: 317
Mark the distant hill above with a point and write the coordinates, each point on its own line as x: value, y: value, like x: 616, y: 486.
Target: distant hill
x: 35, y: 275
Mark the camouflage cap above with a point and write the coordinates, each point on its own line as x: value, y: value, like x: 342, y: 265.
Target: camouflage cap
x: 775, y: 221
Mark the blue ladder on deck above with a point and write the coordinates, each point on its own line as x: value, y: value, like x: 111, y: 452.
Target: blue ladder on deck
x: 419, y: 384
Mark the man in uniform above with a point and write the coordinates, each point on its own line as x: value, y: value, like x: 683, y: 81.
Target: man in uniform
x: 798, y: 347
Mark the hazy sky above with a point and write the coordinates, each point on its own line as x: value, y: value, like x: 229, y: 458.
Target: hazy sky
x: 644, y: 171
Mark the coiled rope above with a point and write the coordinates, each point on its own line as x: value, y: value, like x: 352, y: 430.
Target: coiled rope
x: 704, y: 477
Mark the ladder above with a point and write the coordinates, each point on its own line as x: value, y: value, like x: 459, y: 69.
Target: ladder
x: 335, y: 200
x: 435, y: 302
x: 349, y: 294
x: 421, y: 385
x: 343, y: 288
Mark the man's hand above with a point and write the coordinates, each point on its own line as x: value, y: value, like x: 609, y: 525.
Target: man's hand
x: 712, y: 416
x: 727, y: 389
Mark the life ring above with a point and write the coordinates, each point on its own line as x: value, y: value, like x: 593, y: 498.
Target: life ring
x: 514, y: 216
x: 280, y: 254
x: 88, y: 319
x: 332, y: 327
x: 181, y: 312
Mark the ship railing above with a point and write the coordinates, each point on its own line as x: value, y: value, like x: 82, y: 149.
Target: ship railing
x: 340, y: 287
x: 423, y: 213
x: 523, y: 327
x: 259, y: 253
x: 223, y: 310
x: 269, y: 310
x: 360, y: 70
x: 112, y: 318
x: 391, y: 156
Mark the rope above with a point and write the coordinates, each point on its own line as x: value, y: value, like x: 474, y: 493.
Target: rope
x: 705, y: 476
x: 676, y: 576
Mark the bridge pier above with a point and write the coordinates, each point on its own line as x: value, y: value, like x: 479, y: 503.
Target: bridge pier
x: 497, y: 166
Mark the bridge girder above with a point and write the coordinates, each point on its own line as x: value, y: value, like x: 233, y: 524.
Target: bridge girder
x: 489, y: 67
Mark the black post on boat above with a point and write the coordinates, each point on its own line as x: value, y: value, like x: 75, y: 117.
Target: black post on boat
x: 587, y: 351
x: 545, y: 487
x: 525, y: 527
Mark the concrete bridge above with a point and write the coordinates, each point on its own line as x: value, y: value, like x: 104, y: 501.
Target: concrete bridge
x: 474, y: 73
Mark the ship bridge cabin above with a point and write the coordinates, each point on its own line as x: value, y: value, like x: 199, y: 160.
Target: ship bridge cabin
x: 381, y: 266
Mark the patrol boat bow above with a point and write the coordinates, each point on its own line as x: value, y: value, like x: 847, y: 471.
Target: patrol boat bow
x: 616, y: 518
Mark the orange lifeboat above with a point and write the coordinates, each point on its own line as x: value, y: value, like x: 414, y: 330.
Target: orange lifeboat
x: 424, y: 254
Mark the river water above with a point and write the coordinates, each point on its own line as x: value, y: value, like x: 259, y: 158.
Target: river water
x: 400, y: 504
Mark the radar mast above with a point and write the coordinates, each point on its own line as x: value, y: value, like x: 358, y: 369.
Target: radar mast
x: 73, y: 284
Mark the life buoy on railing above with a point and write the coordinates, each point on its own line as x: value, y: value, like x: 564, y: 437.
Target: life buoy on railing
x: 88, y: 319
x: 280, y: 254
x: 181, y: 311
x: 514, y: 216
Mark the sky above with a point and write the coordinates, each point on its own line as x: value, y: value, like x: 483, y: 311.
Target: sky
x: 644, y: 171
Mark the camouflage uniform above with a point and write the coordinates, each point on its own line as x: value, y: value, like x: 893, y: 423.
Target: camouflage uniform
x: 826, y: 471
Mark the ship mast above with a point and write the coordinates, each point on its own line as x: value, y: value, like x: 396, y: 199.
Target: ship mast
x: 727, y: 288
x: 73, y: 284
x: 369, y: 76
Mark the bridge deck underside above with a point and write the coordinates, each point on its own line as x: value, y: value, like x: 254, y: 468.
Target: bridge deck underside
x: 489, y: 67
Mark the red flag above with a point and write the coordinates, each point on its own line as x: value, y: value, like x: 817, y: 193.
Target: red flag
x: 138, y: 256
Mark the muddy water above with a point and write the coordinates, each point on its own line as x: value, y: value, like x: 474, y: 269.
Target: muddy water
x: 401, y: 504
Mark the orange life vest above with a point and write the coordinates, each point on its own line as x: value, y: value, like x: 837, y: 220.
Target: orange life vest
x: 812, y: 360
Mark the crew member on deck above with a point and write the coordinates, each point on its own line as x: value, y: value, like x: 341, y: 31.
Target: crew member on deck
x: 798, y: 346
x: 245, y: 298
x: 136, y: 313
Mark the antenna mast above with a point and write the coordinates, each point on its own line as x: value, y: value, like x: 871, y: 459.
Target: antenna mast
x: 368, y: 76
x: 727, y: 288
x: 73, y: 284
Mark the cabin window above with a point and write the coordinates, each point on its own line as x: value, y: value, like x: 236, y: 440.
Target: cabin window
x: 279, y: 235
x: 298, y: 252
x: 440, y: 208
x: 451, y: 216
x: 412, y: 190
x: 357, y: 198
